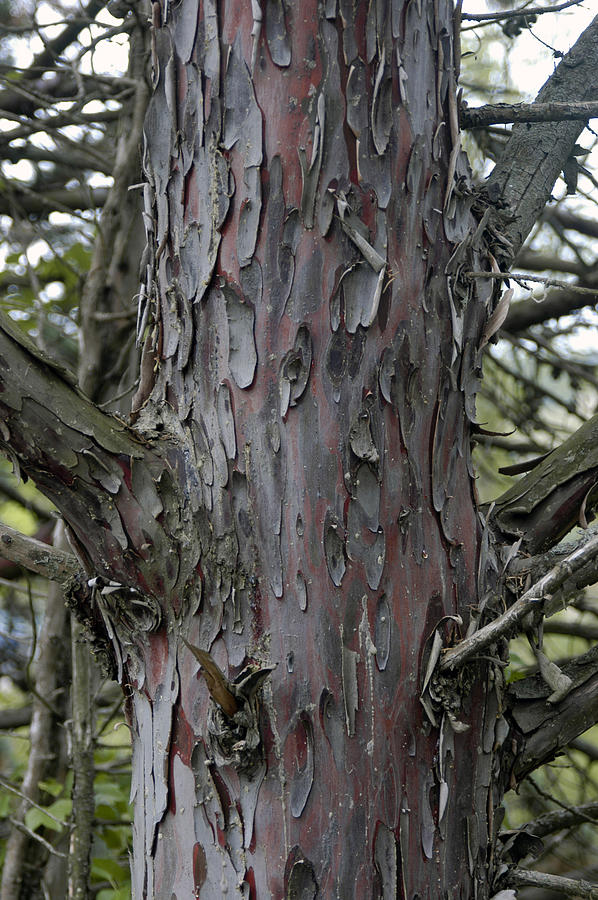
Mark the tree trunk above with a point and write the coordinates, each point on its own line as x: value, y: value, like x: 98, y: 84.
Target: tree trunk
x: 289, y: 537
x: 318, y: 359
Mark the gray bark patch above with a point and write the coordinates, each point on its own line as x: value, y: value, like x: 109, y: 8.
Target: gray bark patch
x: 334, y: 549
x: 302, y: 778
x: 385, y: 858
x: 242, y: 355
x: 279, y: 44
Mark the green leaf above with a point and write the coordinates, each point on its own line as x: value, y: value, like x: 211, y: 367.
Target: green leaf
x: 116, y: 837
x: 47, y: 818
x: 108, y: 870
x: 51, y: 786
x: 122, y: 893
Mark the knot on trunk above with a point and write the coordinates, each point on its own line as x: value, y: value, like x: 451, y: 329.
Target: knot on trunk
x: 235, y: 740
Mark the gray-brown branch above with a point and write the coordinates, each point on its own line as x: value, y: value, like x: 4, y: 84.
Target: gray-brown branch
x: 565, y: 887
x: 509, y: 622
x: 535, y: 154
x: 542, y: 727
x: 525, y: 313
x: 515, y: 13
x: 505, y: 113
x: 109, y: 484
x: 553, y: 821
x: 546, y: 503
x: 43, y: 559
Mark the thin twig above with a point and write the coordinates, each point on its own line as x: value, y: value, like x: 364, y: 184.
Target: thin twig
x: 20, y: 826
x: 572, y: 810
x: 8, y: 786
x: 522, y: 11
x: 522, y: 277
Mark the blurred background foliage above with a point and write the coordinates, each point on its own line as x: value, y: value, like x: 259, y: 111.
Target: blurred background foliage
x: 69, y: 91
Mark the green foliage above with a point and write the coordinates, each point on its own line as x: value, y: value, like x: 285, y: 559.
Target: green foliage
x: 53, y: 816
x: 43, y: 299
x: 112, y: 837
x: 122, y: 893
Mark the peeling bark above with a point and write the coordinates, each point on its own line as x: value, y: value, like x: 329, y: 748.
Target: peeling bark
x: 342, y: 370
x: 548, y: 502
x: 293, y: 522
x: 543, y: 728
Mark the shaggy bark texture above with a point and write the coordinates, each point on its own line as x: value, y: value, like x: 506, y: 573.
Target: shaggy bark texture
x: 295, y: 512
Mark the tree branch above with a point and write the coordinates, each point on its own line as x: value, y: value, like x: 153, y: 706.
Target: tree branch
x: 15, y: 718
x: 104, y: 479
x: 24, y: 863
x: 588, y: 747
x: 534, y: 156
x: 541, y: 729
x: 19, y: 199
x: 572, y: 222
x: 525, y: 313
x: 547, y: 262
x: 572, y: 629
x: 505, y: 113
x: 565, y: 887
x: 515, y: 13
x: 545, y: 504
x: 11, y: 493
x: 11, y: 100
x: 85, y: 159
x: 82, y: 747
x: 43, y: 559
x: 508, y: 623
x: 546, y: 353
x: 550, y: 822
x: 113, y: 248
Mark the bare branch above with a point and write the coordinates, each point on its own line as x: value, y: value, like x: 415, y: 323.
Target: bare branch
x: 546, y: 262
x: 525, y: 313
x: 85, y: 158
x: 508, y: 623
x: 544, y: 505
x: 513, y: 446
x: 522, y: 277
x: 27, y: 502
x: 80, y: 458
x: 551, y: 358
x: 550, y: 822
x: 43, y: 559
x: 569, y: 220
x: 15, y: 718
x: 47, y: 750
x: 10, y: 100
x: 585, y: 746
x: 522, y: 11
x: 573, y: 629
x: 534, y: 386
x: 543, y: 727
x: 82, y: 747
x: 29, y: 202
x: 113, y: 248
x: 505, y: 113
x: 565, y: 887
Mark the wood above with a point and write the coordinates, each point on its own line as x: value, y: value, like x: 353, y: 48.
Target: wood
x: 297, y: 499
